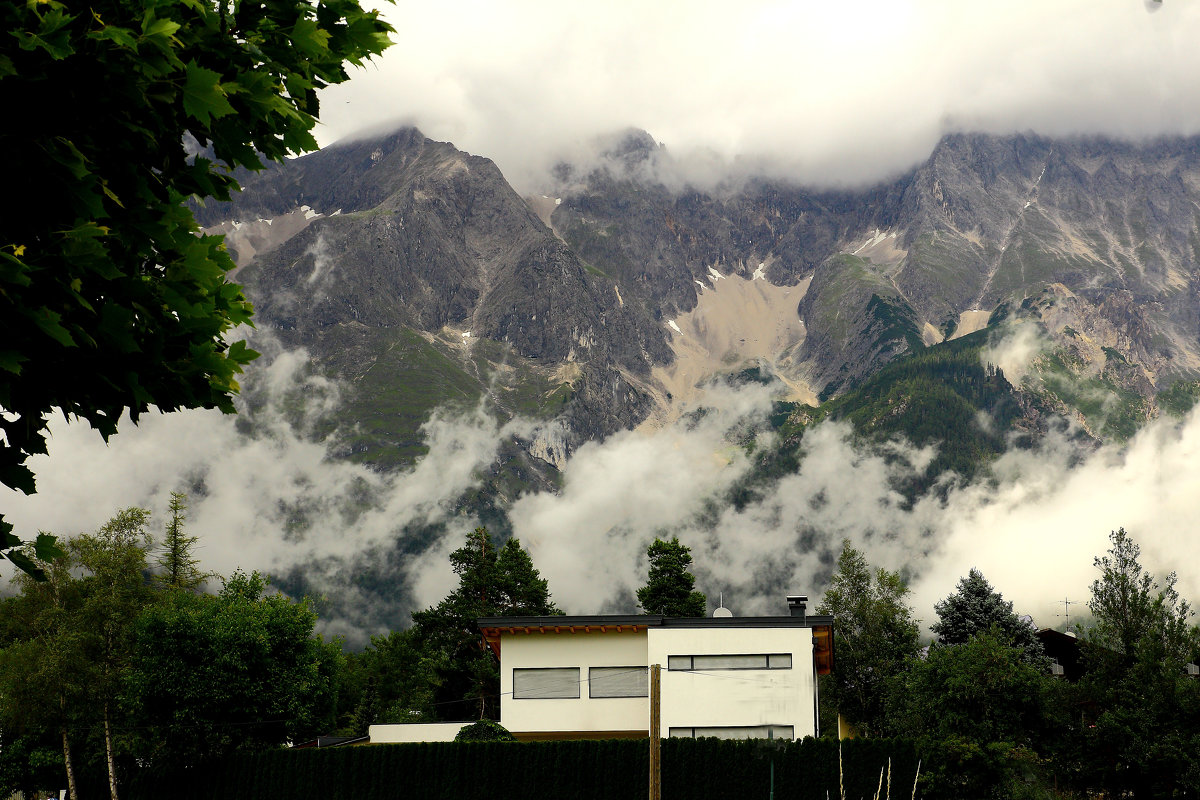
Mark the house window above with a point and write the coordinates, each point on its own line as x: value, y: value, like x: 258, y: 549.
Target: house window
x: 618, y: 682
x: 762, y: 661
x: 737, y: 732
x: 543, y: 684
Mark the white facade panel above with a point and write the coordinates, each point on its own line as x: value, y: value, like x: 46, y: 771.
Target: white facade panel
x: 736, y: 698
x: 572, y: 650
x: 415, y: 732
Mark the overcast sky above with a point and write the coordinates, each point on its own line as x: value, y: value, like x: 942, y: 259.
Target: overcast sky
x: 845, y: 91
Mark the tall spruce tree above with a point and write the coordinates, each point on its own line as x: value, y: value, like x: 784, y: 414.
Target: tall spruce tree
x: 976, y: 608
x: 670, y: 588
x: 490, y: 584
x: 523, y: 591
x: 178, y: 569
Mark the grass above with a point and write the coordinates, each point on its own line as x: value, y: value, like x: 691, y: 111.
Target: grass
x: 1110, y: 410
x: 1179, y: 398
x: 849, y: 273
x: 408, y: 379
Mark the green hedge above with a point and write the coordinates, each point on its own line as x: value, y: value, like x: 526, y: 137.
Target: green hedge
x: 692, y: 769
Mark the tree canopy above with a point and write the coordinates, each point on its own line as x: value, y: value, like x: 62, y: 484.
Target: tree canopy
x: 875, y: 636
x: 976, y: 608
x: 490, y: 584
x: 238, y: 671
x: 124, y: 672
x: 1145, y: 733
x: 670, y: 588
x: 981, y: 709
x: 111, y: 303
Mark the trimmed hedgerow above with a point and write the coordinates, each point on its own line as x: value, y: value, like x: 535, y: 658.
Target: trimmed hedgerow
x: 695, y: 769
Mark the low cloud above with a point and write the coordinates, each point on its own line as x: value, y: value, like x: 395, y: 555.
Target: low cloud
x: 1033, y: 528
x: 1015, y: 352
x: 838, y: 93
x: 264, y: 494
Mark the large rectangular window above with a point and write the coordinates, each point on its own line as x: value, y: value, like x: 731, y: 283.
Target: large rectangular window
x: 618, y: 682
x: 733, y: 661
x: 544, y: 684
x: 736, y: 732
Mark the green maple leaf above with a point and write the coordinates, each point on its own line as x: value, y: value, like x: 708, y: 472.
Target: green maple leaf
x: 203, y: 97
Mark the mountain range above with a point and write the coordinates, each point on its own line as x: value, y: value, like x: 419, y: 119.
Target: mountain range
x: 1005, y: 287
x: 416, y: 275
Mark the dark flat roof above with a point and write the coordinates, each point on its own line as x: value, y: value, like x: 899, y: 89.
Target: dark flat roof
x: 653, y: 621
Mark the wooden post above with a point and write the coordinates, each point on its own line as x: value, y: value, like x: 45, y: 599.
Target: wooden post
x: 655, y: 734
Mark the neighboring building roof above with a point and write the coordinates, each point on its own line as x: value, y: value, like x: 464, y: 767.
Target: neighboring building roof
x: 652, y: 621
x: 333, y: 741
x: 493, y: 627
x: 1064, y: 649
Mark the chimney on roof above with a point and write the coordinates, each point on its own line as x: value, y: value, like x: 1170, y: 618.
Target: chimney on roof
x: 797, y: 603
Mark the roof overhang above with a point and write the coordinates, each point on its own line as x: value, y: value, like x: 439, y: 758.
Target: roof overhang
x: 493, y: 628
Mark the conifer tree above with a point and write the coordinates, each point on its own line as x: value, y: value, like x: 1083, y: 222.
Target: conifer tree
x: 523, y: 591
x: 670, y: 588
x: 976, y: 608
x: 489, y: 585
x: 179, y: 569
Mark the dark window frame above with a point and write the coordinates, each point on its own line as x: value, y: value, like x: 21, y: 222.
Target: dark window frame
x: 577, y: 683
x: 633, y: 668
x: 671, y: 732
x: 766, y: 657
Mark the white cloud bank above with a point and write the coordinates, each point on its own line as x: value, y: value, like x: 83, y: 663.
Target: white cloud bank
x: 1033, y: 531
x: 271, y: 500
x: 822, y: 92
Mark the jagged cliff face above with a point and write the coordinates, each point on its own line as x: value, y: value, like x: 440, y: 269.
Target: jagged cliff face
x: 413, y: 272
x: 986, y: 222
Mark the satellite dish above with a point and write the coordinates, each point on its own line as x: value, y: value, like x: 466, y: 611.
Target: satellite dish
x: 722, y: 611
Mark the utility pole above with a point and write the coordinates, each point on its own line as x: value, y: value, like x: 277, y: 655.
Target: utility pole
x: 655, y: 734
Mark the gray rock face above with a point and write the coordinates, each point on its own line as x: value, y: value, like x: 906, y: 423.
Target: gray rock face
x: 986, y: 220
x: 656, y: 242
x: 856, y: 321
x: 419, y: 256
x: 434, y: 240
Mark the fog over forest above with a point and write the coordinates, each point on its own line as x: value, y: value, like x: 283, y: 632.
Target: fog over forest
x: 1033, y: 530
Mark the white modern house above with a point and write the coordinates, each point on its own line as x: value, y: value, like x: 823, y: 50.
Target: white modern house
x: 569, y: 677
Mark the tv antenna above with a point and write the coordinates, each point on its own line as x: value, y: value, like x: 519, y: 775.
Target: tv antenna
x: 1067, y: 610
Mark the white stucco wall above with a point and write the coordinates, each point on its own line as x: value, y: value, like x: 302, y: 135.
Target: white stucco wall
x: 729, y: 698
x: 415, y: 732
x: 582, y: 650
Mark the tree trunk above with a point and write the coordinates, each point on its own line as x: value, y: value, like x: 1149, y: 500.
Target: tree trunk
x: 108, y: 752
x: 482, y: 685
x: 67, y: 763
